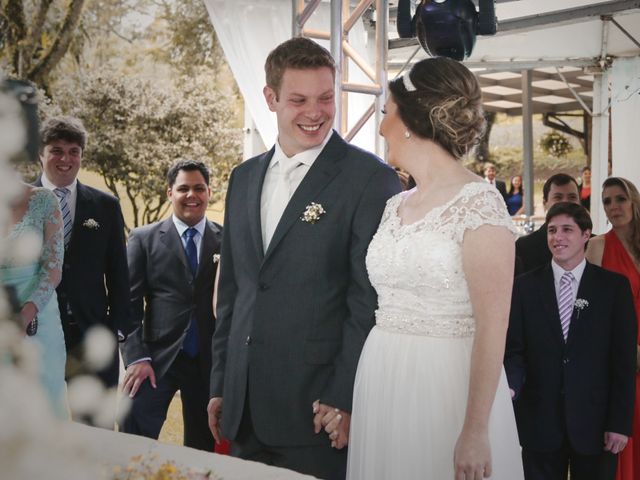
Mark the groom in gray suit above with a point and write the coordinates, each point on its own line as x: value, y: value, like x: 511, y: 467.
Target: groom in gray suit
x: 294, y: 301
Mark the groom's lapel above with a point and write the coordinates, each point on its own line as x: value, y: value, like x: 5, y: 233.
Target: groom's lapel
x: 254, y: 197
x: 323, y: 170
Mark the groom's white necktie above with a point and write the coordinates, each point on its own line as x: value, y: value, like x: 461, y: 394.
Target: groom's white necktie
x: 280, y: 198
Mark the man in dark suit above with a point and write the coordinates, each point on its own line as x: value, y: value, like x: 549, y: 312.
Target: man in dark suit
x: 172, y: 265
x: 490, y: 177
x: 532, y: 250
x: 294, y: 301
x: 95, y: 281
x: 571, y: 358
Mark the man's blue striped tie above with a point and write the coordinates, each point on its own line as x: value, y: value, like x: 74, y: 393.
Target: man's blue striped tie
x: 62, y: 194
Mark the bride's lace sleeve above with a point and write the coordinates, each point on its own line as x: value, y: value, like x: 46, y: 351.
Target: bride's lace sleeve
x: 50, y: 263
x: 480, y: 204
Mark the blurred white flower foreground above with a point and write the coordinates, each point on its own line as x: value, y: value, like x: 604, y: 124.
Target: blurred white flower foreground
x: 33, y: 443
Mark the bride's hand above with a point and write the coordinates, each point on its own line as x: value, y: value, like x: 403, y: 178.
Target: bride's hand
x: 472, y: 456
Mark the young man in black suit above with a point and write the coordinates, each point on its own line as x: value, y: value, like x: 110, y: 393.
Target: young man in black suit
x: 172, y: 266
x: 95, y: 280
x: 571, y: 358
x: 531, y: 250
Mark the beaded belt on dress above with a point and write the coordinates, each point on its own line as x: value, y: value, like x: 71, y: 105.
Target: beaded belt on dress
x: 431, y: 326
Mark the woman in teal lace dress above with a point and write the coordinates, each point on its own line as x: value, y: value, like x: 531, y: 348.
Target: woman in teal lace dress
x: 37, y: 221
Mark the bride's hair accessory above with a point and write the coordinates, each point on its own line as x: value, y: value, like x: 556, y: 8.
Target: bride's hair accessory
x: 408, y: 84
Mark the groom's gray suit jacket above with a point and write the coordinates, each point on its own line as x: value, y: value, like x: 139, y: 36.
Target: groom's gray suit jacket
x: 291, y: 321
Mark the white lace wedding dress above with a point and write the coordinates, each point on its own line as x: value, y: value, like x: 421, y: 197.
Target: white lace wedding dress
x: 413, y: 376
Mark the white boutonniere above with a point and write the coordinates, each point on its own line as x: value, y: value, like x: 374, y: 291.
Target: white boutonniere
x: 216, y: 257
x: 580, y: 304
x: 313, y: 213
x: 91, y: 223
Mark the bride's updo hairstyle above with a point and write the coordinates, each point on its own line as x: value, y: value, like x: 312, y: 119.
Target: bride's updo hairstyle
x: 440, y: 100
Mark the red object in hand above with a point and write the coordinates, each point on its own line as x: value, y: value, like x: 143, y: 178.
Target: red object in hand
x: 222, y: 448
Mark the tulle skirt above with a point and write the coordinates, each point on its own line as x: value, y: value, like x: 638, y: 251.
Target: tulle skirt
x: 409, y: 405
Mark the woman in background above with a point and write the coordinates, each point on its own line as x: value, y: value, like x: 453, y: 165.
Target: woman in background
x: 515, y: 196
x: 585, y: 188
x: 619, y: 251
x: 36, y: 217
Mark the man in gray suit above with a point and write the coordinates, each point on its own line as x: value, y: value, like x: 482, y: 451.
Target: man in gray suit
x: 172, y: 266
x: 294, y: 301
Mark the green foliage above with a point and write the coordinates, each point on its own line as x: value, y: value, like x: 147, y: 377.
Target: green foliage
x: 509, y: 162
x: 37, y: 34
x: 148, y: 79
x: 555, y: 144
x: 137, y: 129
x: 192, y: 40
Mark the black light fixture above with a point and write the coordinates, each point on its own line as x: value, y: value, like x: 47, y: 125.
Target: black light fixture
x: 448, y: 28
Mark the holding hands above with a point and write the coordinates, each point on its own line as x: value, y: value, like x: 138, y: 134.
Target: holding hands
x: 334, y: 421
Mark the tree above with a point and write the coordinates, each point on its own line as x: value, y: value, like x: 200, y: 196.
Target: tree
x: 137, y: 129
x: 192, y: 39
x: 34, y: 48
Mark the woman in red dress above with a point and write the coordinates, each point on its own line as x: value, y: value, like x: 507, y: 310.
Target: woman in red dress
x: 619, y: 251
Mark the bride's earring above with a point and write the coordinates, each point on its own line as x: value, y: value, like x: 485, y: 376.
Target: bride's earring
x: 407, y: 134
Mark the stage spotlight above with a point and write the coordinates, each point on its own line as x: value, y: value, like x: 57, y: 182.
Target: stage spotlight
x: 448, y: 28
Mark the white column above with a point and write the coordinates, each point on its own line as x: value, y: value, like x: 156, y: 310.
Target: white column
x: 253, y: 144
x: 599, y: 149
x: 527, y: 142
x: 625, y: 118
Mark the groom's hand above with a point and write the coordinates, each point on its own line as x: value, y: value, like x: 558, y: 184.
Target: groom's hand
x: 334, y: 421
x: 135, y: 375
x: 214, y: 412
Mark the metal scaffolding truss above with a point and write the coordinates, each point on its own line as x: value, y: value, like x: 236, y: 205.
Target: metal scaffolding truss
x: 343, y: 18
x: 558, y: 84
x: 544, y: 59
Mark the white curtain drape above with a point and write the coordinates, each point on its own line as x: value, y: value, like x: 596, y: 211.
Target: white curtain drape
x: 625, y: 118
x: 249, y: 30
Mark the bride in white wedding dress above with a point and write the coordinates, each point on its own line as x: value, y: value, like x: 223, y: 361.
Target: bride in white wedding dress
x: 431, y: 399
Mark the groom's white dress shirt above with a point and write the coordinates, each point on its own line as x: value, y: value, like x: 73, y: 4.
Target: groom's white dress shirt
x: 272, y: 204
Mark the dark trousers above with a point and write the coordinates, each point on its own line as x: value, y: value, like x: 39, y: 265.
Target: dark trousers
x: 150, y: 405
x: 320, y: 461
x: 555, y: 465
x: 74, y: 334
x: 76, y: 366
